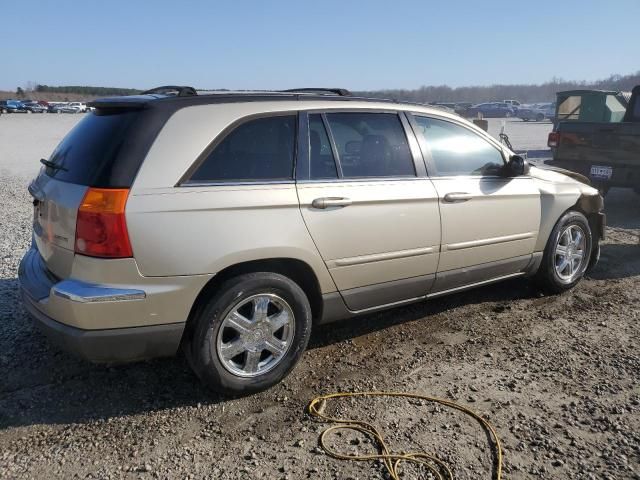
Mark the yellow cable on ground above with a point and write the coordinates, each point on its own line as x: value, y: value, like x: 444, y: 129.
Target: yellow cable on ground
x: 393, y: 460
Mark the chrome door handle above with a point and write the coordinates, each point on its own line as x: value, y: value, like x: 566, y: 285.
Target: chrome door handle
x: 327, y: 202
x: 456, y: 197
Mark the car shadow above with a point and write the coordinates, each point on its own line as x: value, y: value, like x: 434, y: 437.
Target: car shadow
x: 622, y: 206
x: 617, y: 261
x: 43, y: 385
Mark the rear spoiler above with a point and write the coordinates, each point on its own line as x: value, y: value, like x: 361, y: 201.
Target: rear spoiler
x: 133, y: 102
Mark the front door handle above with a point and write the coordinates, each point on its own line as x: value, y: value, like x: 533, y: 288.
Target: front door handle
x: 456, y: 197
x: 327, y: 202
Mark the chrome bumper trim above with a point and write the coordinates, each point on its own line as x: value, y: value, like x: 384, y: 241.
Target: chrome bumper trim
x: 82, y: 292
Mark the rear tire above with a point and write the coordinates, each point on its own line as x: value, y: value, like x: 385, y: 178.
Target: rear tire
x: 567, y: 254
x: 539, y: 117
x: 231, y: 321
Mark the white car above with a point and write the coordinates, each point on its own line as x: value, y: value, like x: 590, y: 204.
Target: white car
x: 75, y: 107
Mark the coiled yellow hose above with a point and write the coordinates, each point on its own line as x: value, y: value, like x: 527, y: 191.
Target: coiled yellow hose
x: 392, y: 460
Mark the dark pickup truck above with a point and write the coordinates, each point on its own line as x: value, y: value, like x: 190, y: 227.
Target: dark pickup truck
x: 606, y: 152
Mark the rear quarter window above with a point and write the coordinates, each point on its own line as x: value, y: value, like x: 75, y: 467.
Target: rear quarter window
x: 90, y: 153
x: 257, y: 150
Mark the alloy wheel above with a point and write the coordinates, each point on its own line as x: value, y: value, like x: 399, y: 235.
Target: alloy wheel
x: 570, y: 255
x: 255, y: 335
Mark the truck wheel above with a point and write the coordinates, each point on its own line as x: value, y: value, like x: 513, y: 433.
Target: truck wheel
x: 539, y: 117
x: 567, y: 254
x: 250, y: 334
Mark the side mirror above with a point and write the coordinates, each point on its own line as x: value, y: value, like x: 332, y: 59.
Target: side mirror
x: 516, y: 166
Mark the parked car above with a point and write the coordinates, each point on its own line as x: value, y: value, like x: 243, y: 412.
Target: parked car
x: 537, y: 112
x: 56, y: 107
x: 34, y: 107
x: 74, y: 107
x: 491, y: 110
x: 12, y: 106
x: 515, y: 104
x: 276, y: 213
x: 605, y: 151
x: 461, y: 107
x: 444, y: 106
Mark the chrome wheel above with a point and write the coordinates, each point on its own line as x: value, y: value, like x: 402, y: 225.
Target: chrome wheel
x: 570, y: 254
x: 255, y: 335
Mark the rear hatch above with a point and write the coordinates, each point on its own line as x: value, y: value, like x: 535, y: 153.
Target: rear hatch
x: 96, y: 153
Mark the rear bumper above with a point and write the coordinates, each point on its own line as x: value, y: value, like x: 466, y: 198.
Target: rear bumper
x: 102, y: 322
x: 625, y: 176
x: 116, y: 345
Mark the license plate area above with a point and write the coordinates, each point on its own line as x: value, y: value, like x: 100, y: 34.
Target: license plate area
x: 601, y: 172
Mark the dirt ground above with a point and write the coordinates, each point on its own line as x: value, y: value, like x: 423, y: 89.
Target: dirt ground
x: 558, y: 377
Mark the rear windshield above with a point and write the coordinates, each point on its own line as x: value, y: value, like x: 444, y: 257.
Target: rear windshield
x: 89, y: 154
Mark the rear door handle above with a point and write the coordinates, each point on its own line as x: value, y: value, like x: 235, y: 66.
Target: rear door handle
x: 456, y: 197
x: 327, y: 202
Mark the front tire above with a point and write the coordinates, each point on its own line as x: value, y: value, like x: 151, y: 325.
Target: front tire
x: 250, y: 334
x: 567, y: 254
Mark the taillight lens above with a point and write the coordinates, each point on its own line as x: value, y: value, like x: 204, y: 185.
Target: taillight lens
x: 553, y: 140
x: 101, y: 228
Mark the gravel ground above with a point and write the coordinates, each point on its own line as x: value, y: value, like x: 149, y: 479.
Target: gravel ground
x: 557, y: 376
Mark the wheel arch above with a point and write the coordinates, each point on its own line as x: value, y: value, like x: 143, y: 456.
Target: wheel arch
x: 297, y: 270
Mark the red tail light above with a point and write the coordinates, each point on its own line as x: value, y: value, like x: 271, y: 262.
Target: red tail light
x: 101, y: 229
x: 553, y: 140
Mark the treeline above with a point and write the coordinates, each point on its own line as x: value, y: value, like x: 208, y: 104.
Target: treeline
x: 545, y: 92
x: 86, y: 90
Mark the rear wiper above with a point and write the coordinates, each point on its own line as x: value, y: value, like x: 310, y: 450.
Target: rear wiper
x: 50, y: 164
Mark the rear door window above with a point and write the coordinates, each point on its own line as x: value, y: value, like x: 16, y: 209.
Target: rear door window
x: 371, y: 145
x: 257, y: 150
x: 89, y: 153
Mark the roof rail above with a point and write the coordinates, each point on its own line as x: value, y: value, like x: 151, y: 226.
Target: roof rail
x: 335, y: 91
x: 172, y: 90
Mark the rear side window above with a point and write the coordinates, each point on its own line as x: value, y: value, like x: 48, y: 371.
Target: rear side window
x: 257, y: 150
x: 89, y: 153
x: 456, y: 150
x: 371, y: 145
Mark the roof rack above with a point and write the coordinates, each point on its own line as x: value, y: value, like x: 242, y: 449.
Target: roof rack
x: 178, y: 91
x: 343, y: 92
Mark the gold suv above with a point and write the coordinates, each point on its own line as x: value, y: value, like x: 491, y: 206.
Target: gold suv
x: 233, y: 223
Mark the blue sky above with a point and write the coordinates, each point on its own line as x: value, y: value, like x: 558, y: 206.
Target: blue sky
x: 282, y: 44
